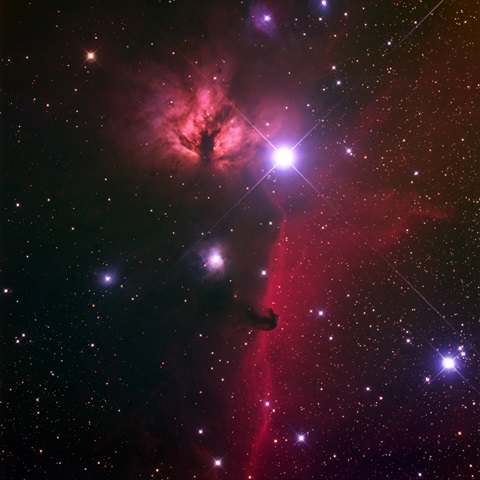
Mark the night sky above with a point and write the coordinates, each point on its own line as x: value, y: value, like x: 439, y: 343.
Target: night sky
x: 239, y: 240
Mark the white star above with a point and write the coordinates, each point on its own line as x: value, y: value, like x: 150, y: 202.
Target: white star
x: 448, y: 363
x: 215, y: 260
x: 283, y: 157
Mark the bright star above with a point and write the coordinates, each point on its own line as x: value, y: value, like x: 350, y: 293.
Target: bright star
x: 264, y: 272
x: 90, y: 56
x: 267, y: 18
x: 301, y: 438
x: 218, y: 463
x: 283, y: 157
x: 215, y: 260
x: 448, y: 363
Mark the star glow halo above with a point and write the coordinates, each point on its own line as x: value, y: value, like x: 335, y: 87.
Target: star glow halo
x: 283, y: 157
x: 214, y: 260
x: 448, y: 363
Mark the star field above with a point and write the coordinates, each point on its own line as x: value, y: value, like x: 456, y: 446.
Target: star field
x: 240, y: 240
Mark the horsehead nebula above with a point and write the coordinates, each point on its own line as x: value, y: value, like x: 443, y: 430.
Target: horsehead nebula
x: 184, y: 126
x: 240, y: 237
x: 267, y: 196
